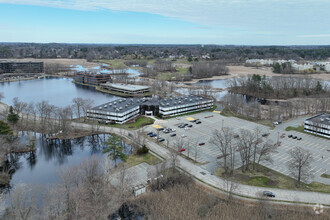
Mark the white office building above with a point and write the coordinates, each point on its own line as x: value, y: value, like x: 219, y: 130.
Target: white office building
x: 319, y: 125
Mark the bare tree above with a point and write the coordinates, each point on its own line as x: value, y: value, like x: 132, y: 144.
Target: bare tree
x: 1, y: 96
x: 299, y: 165
x: 223, y: 140
x: 22, y: 202
x: 230, y: 188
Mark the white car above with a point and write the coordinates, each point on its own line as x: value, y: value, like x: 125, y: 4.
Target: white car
x: 183, y: 135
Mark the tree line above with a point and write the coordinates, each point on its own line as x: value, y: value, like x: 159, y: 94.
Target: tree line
x: 233, y: 54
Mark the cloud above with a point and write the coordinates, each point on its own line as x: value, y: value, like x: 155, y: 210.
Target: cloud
x: 315, y: 35
x: 277, y: 16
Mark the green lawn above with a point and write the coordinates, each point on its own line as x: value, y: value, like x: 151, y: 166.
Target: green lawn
x: 140, y: 122
x: 148, y: 158
x: 300, y: 128
x: 269, y: 178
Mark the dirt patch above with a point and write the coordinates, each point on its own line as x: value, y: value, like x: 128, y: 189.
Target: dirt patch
x: 243, y: 71
x: 242, y: 177
x: 272, y: 182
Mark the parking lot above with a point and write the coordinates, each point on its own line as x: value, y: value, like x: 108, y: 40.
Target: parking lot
x: 206, y: 155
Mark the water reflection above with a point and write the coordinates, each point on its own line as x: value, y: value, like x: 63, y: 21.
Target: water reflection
x: 41, y: 166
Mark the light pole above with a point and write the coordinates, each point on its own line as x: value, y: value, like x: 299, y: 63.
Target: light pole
x: 278, y: 136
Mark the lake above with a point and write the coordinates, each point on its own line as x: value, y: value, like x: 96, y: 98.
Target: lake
x: 57, y: 91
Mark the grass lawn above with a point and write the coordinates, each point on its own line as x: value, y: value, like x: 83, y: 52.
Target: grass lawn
x: 140, y: 122
x: 226, y: 112
x: 148, y: 158
x: 269, y: 178
x: 300, y: 128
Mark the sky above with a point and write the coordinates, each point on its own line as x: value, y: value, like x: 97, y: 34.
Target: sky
x: 222, y: 22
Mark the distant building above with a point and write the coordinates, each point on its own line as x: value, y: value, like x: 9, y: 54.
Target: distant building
x: 124, y: 110
x: 21, y: 67
x: 125, y: 88
x: 319, y: 125
x: 92, y: 78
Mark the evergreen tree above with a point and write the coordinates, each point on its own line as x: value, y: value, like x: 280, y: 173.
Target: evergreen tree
x: 115, y: 149
x: 5, y: 129
x: 12, y: 117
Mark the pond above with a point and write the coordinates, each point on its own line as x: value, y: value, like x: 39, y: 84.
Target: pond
x: 55, y: 90
x: 41, y: 166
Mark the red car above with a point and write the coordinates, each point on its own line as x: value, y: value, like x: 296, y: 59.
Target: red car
x: 201, y: 144
x: 182, y: 149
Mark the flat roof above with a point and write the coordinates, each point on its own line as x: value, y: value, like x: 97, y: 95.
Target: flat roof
x: 129, y: 87
x: 124, y: 104
x: 181, y: 100
x: 321, y: 119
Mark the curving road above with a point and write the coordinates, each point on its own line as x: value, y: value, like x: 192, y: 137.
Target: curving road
x: 205, y: 176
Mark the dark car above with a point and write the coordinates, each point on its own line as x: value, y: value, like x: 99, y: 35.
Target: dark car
x: 161, y: 140
x: 153, y: 135
x: 236, y: 136
x: 201, y: 144
x: 268, y: 193
x: 299, y: 138
x: 181, y: 126
x: 172, y: 135
x: 265, y: 135
x: 149, y: 133
x: 290, y: 136
x: 185, y: 124
x: 189, y: 126
x: 198, y: 122
x: 194, y: 121
x: 294, y: 137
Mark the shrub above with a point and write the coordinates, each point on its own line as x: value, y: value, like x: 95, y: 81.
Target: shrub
x: 142, y: 150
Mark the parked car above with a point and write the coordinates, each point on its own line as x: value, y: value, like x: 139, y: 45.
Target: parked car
x: 166, y: 131
x: 153, y: 135
x: 181, y: 126
x: 236, y: 136
x: 194, y: 120
x: 268, y: 193
x: 172, y: 135
x: 299, y: 138
x: 161, y: 140
x: 198, y: 122
x: 290, y: 136
x: 189, y: 126
x: 182, y: 149
x: 149, y: 133
x: 201, y: 144
x: 294, y: 137
x: 183, y: 135
x: 265, y: 135
x: 172, y: 129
